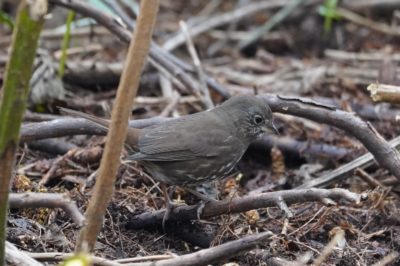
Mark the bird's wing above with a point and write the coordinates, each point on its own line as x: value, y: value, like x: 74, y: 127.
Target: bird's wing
x: 175, y: 142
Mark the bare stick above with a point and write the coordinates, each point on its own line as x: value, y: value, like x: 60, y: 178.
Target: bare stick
x: 214, y: 254
x: 372, y: 182
x: 126, y: 93
x: 277, y: 18
x: 346, y: 170
x: 384, y: 154
x: 384, y: 93
x: 376, y: 26
x: 147, y: 258
x: 387, y: 259
x: 197, y: 64
x: 283, y: 206
x: 59, y: 256
x: 337, y: 240
x: 47, y: 200
x: 16, y: 257
x: 345, y: 56
x: 243, y: 204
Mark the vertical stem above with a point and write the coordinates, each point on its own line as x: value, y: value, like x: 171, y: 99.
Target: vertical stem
x: 65, y: 44
x: 102, y: 193
x: 14, y: 95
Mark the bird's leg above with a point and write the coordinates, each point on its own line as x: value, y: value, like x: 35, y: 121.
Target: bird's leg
x: 204, y: 201
x: 200, y: 195
x: 169, y: 204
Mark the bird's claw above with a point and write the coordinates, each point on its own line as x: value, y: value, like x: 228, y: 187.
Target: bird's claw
x: 170, y: 206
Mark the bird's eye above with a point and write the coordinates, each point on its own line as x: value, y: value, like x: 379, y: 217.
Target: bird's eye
x: 258, y: 119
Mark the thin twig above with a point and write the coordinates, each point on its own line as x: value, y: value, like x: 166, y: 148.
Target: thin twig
x: 214, y: 254
x: 59, y: 256
x: 197, y: 64
x: 16, y: 257
x: 387, y: 259
x: 337, y: 240
x: 347, y: 170
x: 376, y: 26
x: 277, y: 18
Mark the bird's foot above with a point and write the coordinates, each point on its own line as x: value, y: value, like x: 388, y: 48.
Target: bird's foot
x: 170, y: 206
x: 202, y: 204
x: 201, y: 196
x: 199, y: 210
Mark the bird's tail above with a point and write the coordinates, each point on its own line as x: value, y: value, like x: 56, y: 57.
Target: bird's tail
x: 132, y: 135
x: 104, y: 123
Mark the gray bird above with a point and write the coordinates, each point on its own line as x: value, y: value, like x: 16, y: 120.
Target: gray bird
x: 200, y: 147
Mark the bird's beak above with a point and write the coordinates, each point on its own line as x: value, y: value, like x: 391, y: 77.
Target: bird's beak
x: 270, y: 128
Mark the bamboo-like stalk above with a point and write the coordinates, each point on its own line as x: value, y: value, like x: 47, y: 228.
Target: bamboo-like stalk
x: 65, y: 44
x: 137, y: 53
x: 14, y: 95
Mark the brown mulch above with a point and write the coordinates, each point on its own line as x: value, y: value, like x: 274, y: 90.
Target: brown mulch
x: 290, y: 59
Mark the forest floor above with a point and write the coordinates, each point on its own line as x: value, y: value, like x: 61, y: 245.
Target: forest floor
x: 301, y: 59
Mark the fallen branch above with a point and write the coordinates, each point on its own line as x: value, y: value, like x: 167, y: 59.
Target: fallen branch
x: 203, y: 257
x: 302, y: 148
x: 52, y: 146
x: 338, y: 240
x: 384, y: 154
x: 384, y: 93
x: 243, y: 204
x: 388, y: 259
x: 47, y: 200
x: 214, y: 254
x: 347, y: 170
x: 16, y: 257
x: 59, y: 256
x: 345, y: 56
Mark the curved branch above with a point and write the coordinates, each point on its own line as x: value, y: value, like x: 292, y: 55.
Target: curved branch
x: 47, y: 200
x: 384, y: 154
x: 14, y: 256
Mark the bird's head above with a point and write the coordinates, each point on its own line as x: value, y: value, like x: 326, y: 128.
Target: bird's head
x: 253, y: 115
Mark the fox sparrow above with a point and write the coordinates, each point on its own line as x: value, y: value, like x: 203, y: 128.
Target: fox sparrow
x: 200, y: 147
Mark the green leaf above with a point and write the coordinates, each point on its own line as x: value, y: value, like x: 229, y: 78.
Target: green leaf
x: 6, y: 19
x: 328, y: 10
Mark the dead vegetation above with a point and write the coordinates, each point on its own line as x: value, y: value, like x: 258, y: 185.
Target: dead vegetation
x: 324, y: 192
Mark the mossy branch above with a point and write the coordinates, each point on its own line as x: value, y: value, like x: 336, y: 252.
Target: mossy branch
x: 13, y: 96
